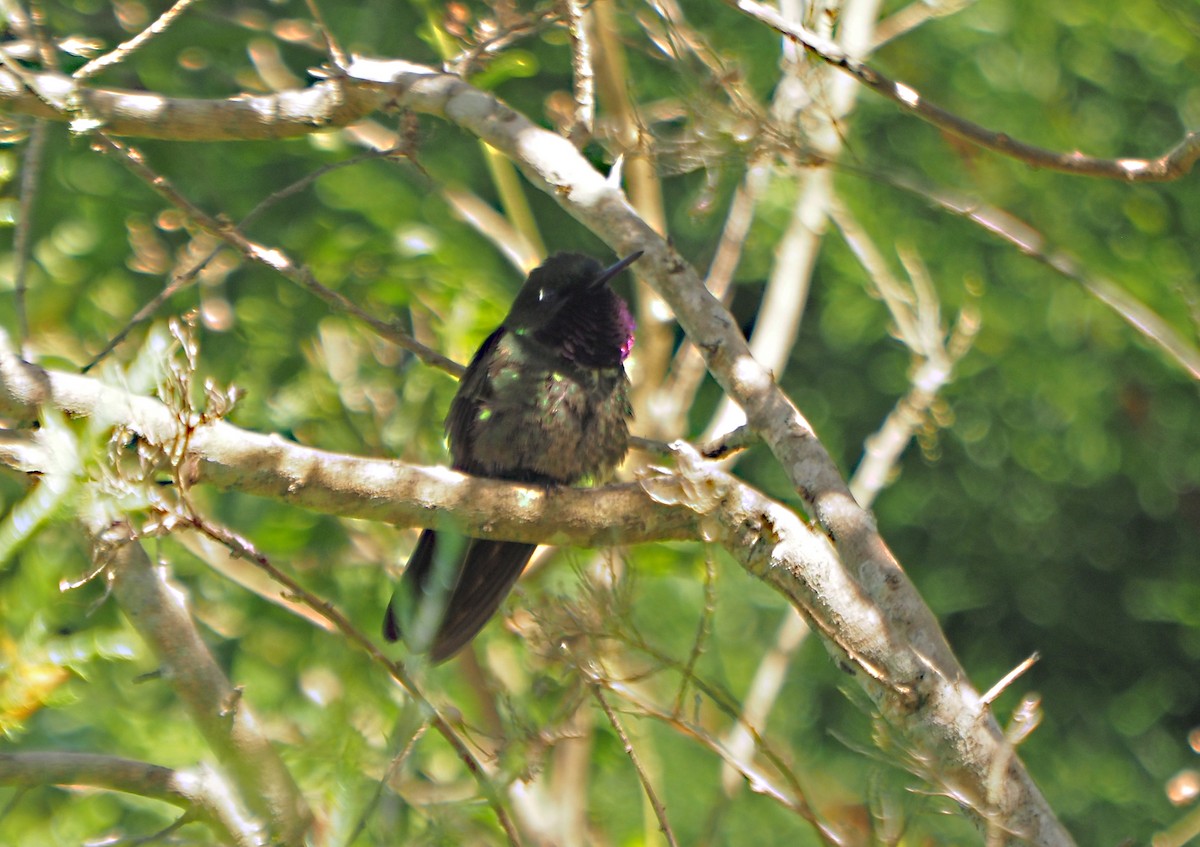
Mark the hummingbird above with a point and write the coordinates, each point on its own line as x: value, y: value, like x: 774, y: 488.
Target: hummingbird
x: 545, y: 400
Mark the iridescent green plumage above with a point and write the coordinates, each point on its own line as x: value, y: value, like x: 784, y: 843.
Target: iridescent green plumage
x: 544, y: 400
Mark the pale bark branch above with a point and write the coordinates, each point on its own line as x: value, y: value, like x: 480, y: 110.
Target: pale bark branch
x: 220, y: 713
x: 939, y: 713
x: 200, y: 791
x: 351, y: 486
x: 287, y: 114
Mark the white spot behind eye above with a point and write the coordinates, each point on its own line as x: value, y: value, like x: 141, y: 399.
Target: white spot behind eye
x: 541, y: 294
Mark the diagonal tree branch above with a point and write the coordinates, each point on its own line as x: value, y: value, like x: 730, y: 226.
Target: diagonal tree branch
x: 1171, y: 165
x: 927, y: 695
x: 223, y: 717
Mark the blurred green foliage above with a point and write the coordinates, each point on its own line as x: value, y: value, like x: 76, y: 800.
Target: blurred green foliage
x: 1057, y: 510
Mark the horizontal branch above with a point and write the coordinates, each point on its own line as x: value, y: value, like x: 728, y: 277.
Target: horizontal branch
x: 699, y: 501
x: 286, y: 114
x: 350, y: 486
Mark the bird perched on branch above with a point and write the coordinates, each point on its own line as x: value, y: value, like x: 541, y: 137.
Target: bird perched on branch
x: 545, y: 400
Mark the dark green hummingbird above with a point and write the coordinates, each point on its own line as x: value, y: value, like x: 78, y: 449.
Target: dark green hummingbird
x: 545, y: 400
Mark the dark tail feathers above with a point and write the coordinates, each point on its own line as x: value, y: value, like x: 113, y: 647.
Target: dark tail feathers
x: 487, y: 574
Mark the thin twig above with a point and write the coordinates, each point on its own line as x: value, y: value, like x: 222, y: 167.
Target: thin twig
x: 660, y: 811
x: 732, y: 82
x: 702, y: 630
x: 731, y: 708
x: 912, y: 16
x: 126, y: 48
x: 1034, y: 244
x: 273, y: 258
x: 468, y: 61
x: 182, y: 277
x: 393, y: 768
x: 1008, y: 679
x: 759, y: 782
x: 1173, y: 164
x: 337, y: 55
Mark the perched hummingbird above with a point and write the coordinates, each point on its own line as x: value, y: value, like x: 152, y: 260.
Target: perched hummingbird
x: 545, y: 400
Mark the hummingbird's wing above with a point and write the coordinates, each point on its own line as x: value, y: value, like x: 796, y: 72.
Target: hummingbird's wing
x: 474, y: 393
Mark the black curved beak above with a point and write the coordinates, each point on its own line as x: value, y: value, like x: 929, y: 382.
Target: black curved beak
x: 610, y: 272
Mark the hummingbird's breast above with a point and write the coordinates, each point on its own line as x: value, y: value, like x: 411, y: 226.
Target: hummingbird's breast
x: 540, y: 417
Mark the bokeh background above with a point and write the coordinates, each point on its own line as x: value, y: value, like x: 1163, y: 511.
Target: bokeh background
x: 1050, y: 503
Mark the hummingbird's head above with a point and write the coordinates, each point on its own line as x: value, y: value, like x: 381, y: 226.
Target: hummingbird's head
x: 567, y: 305
x: 564, y: 282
